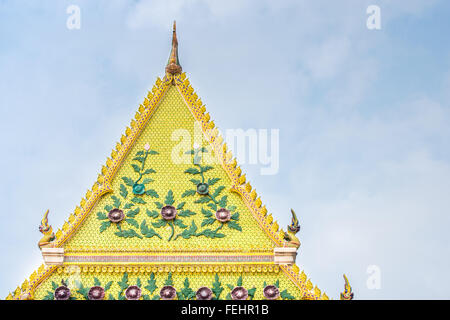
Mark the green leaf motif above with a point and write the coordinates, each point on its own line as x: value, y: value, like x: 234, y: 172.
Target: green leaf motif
x: 234, y: 225
x: 49, y: 296
x: 108, y: 208
x: 179, y: 223
x: 239, y: 281
x: 136, y: 168
x: 251, y: 293
x: 128, y: 234
x: 147, y: 180
x: 217, y: 287
x: 203, y: 199
x: 108, y: 285
x: 213, y: 181
x: 128, y: 205
x: 208, y: 221
x: 152, y: 213
x: 186, y: 213
x: 188, y: 193
x: 195, y: 181
x: 223, y: 202
x: 129, y: 182
x: 123, y: 191
x: 192, y: 171
x: 160, y: 223
x: 187, y: 292
x: 207, y: 168
x: 218, y: 191
x: 206, y: 213
x: 212, y: 205
x: 169, y: 280
x: 169, y: 198
x: 140, y: 159
x: 97, y: 282
x: 159, y: 205
x: 101, y: 216
x: 132, y: 222
x: 286, y: 295
x: 148, y: 171
x: 133, y: 213
x: 151, y: 286
x: 152, y: 193
x: 138, y: 200
x: 235, y: 216
x: 116, y: 201
x: 54, y: 285
x: 211, y: 234
x: 104, y: 225
x: 123, y: 284
x: 187, y: 233
x: 180, y: 206
x: 147, y: 231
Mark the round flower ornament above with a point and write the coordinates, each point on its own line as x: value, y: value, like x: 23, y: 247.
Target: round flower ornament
x: 133, y: 293
x: 271, y: 292
x: 239, y: 293
x: 204, y: 293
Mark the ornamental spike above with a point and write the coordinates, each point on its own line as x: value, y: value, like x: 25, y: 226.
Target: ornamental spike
x: 173, y: 65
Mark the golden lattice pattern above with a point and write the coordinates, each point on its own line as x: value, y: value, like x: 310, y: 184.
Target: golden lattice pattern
x: 171, y: 115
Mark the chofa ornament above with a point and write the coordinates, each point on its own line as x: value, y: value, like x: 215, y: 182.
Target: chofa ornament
x: 293, y: 229
x: 347, y: 294
x: 47, y: 231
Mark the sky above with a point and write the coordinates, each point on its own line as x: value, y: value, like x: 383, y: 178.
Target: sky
x: 362, y: 116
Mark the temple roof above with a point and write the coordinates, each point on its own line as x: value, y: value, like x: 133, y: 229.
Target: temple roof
x: 170, y: 205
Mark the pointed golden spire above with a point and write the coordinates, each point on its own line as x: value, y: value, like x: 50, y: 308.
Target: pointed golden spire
x: 173, y: 65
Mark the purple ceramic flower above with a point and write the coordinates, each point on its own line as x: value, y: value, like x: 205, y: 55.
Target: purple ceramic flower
x: 133, y: 293
x: 271, y: 292
x: 223, y: 215
x: 204, y: 293
x: 168, y: 213
x: 96, y: 293
x: 62, y: 293
x: 115, y: 215
x: 239, y: 293
x: 168, y: 293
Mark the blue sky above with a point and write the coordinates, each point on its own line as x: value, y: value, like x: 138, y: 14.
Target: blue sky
x: 363, y: 118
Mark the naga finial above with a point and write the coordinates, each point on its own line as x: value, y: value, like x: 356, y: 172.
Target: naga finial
x: 347, y: 294
x: 47, y: 230
x: 293, y: 229
x: 173, y: 65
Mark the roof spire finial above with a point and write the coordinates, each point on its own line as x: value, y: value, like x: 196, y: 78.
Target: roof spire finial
x: 173, y: 65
